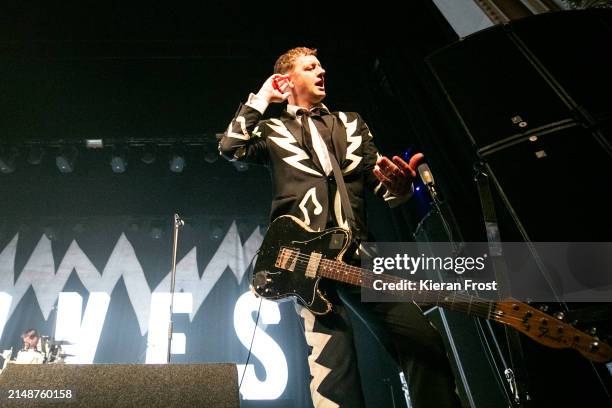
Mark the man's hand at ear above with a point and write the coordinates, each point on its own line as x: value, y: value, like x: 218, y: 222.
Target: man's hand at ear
x: 274, y: 90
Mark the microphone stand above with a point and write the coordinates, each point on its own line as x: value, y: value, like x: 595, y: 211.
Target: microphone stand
x: 437, y: 204
x: 178, y: 223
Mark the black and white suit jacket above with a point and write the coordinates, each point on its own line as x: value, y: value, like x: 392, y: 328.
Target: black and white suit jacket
x: 301, y: 187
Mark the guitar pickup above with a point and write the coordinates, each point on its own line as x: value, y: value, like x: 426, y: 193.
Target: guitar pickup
x: 313, y: 265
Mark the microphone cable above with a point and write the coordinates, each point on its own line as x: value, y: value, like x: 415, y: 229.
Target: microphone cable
x: 246, y: 364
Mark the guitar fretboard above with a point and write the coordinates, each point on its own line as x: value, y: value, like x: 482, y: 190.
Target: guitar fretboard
x: 472, y: 305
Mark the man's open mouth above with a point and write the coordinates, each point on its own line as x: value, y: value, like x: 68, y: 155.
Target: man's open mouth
x: 320, y: 84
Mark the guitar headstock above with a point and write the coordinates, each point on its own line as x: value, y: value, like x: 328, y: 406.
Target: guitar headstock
x: 551, y: 331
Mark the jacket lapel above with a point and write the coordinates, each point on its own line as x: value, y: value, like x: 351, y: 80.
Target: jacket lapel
x: 295, y: 128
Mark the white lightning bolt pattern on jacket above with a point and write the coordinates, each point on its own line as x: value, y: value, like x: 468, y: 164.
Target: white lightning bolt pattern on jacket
x: 287, y: 142
x: 354, y: 142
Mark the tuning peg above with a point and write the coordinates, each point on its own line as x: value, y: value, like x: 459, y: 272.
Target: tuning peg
x: 543, y: 308
x: 592, y: 331
x: 560, y: 315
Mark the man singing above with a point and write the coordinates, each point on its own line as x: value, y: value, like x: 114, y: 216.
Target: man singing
x: 300, y: 149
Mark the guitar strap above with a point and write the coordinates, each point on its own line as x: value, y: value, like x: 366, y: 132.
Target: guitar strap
x: 519, y: 385
x: 344, y: 199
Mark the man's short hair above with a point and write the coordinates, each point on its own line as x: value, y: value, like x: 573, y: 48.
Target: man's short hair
x: 25, y: 333
x: 286, y: 62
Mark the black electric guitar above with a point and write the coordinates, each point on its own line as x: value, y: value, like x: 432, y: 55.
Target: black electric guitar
x: 293, y: 258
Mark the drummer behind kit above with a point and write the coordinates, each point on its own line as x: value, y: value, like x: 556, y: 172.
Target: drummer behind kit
x: 36, y: 350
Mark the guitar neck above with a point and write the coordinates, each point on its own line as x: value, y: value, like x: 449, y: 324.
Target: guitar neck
x: 551, y: 331
x: 471, y: 305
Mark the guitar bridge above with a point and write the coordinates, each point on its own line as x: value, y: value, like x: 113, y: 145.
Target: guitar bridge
x: 287, y: 259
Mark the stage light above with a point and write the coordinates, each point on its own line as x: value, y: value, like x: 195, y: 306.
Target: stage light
x: 240, y: 165
x: 177, y: 164
x: 7, y: 160
x: 65, y: 159
x: 148, y: 154
x: 406, y: 154
x: 211, y: 156
x: 35, y: 155
x: 216, y: 232
x: 177, y: 160
x: 156, y: 231
x: 418, y: 188
x: 119, y: 160
x: 540, y: 154
x: 94, y: 143
x: 50, y: 233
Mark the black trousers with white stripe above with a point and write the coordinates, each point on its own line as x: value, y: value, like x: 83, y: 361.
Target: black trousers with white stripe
x: 404, y: 331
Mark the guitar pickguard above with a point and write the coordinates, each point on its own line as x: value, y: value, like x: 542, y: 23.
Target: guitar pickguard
x: 278, y: 275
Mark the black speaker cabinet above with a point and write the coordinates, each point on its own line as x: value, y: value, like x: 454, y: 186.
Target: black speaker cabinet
x: 556, y: 184
x: 530, y: 75
x: 534, y: 99
x: 119, y: 385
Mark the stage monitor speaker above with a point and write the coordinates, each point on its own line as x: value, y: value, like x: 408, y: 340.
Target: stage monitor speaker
x: 555, y: 378
x: 557, y: 185
x: 522, y: 77
x: 479, y: 382
x: 119, y: 385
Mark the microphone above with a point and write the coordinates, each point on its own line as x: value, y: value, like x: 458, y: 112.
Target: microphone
x: 425, y: 174
x: 178, y: 221
x: 428, y: 180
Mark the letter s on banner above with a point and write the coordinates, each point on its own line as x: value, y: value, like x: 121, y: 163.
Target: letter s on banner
x: 265, y: 349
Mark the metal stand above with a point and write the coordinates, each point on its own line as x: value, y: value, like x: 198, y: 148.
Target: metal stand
x: 178, y: 223
x: 441, y: 214
x: 515, y: 372
x: 436, y: 203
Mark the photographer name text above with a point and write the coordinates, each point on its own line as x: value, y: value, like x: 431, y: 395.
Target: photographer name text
x: 430, y: 285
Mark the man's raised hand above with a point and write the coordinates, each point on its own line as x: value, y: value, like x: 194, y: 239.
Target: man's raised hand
x: 274, y: 90
x: 397, y: 175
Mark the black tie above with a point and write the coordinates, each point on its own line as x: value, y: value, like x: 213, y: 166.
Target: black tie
x: 324, y: 132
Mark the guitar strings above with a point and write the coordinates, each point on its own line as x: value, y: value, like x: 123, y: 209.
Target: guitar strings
x: 475, y: 305
x: 478, y: 306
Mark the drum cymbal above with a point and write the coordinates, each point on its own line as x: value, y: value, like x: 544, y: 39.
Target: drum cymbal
x: 60, y: 343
